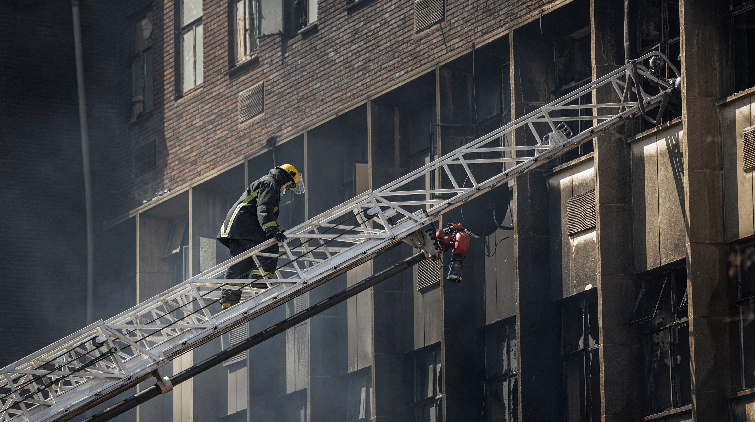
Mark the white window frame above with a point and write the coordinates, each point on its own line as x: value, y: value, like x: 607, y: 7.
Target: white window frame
x: 194, y: 77
x: 245, y: 30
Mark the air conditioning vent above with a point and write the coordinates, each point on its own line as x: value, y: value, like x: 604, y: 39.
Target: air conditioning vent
x: 580, y: 212
x: 428, y: 274
x: 145, y: 157
x: 427, y: 13
x: 748, y: 149
x: 237, y: 335
x: 251, y: 102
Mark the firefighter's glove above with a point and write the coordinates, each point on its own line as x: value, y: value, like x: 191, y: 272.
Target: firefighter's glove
x: 276, y: 233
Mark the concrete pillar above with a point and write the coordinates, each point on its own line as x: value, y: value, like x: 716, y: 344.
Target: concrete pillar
x: 704, y: 63
x: 621, y: 346
x: 536, y: 316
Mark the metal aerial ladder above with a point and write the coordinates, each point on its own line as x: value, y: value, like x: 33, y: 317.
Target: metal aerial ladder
x: 108, y: 357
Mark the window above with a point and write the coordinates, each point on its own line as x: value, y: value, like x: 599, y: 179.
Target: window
x: 661, y: 311
x: 501, y: 397
x: 659, y: 30
x: 245, y: 24
x: 427, y: 391
x: 744, y: 264
x: 743, y: 44
x: 141, y: 67
x: 192, y: 71
x: 359, y: 396
x: 573, y: 71
x: 579, y: 357
x: 303, y: 13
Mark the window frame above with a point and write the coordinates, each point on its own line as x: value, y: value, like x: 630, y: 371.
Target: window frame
x: 743, y: 301
x: 251, y: 35
x: 144, y: 58
x: 670, y: 277
x: 183, y: 29
x: 301, y: 21
x: 510, y: 374
x: 588, y: 352
x: 419, y: 403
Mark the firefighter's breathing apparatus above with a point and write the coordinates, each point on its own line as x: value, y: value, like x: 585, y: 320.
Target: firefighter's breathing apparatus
x: 455, y: 239
x: 433, y: 243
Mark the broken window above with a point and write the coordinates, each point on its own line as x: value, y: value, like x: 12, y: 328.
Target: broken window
x: 579, y: 357
x: 501, y: 371
x: 302, y: 13
x: 141, y: 67
x: 573, y: 71
x: 661, y: 311
x: 743, y: 44
x: 743, y: 264
x: 359, y: 396
x: 192, y: 46
x: 245, y: 24
x: 427, y: 383
x: 658, y: 29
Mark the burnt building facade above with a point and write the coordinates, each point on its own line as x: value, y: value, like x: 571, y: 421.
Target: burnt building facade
x: 613, y: 284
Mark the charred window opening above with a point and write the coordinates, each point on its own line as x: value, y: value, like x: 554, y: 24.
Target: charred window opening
x: 658, y: 29
x: 661, y: 311
x: 359, y: 396
x: 743, y: 43
x: 501, y: 383
x: 245, y: 17
x: 572, y: 64
x: 192, y: 44
x: 142, y: 98
x: 579, y: 357
x: 427, y: 383
x: 743, y: 267
x: 301, y: 14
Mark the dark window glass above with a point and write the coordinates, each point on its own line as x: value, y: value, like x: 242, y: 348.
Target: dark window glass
x: 743, y: 266
x: 501, y: 371
x: 661, y: 310
x: 302, y: 14
x: 427, y: 394
x: 743, y: 46
x: 579, y: 354
x: 141, y: 67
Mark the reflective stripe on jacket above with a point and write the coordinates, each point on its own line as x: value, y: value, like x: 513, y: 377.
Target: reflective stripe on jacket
x: 255, y: 211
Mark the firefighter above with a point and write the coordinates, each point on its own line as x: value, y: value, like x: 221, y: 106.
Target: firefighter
x: 251, y: 221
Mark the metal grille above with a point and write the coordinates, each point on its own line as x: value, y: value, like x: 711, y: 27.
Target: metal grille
x: 301, y: 303
x: 428, y: 273
x: 251, y: 102
x: 427, y: 13
x: 580, y: 212
x: 145, y: 157
x: 748, y: 149
x: 237, y: 335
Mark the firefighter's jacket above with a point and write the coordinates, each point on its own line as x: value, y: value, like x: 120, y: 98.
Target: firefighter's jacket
x: 256, y: 211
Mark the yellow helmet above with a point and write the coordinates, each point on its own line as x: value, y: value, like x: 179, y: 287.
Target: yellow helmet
x: 295, y: 176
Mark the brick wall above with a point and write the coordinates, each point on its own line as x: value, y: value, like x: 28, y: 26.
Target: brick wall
x: 351, y: 55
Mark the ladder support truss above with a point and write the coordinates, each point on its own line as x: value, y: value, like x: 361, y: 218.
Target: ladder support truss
x: 96, y: 363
